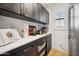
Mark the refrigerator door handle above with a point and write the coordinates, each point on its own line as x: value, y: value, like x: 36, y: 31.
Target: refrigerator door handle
x: 70, y: 38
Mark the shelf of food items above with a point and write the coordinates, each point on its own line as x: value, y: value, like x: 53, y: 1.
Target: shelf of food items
x: 33, y: 30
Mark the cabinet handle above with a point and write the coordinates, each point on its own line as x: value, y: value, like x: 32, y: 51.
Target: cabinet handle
x: 27, y: 49
x: 43, y: 43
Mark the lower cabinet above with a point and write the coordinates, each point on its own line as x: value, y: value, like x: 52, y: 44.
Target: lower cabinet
x: 49, y: 43
x: 39, y: 47
x: 31, y: 51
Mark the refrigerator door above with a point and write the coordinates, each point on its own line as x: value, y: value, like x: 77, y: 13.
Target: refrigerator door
x: 74, y: 30
x: 76, y: 26
x: 72, y: 38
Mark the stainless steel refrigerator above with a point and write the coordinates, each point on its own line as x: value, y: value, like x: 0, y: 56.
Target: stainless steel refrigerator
x: 74, y: 29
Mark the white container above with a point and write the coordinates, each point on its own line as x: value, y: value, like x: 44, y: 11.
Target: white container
x: 25, y: 31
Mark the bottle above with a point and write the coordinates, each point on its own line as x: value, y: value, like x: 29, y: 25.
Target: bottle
x: 34, y: 31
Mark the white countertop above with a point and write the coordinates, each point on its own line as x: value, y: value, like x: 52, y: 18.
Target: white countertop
x: 20, y: 42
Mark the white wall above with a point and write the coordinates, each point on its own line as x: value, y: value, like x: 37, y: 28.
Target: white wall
x: 8, y: 22
x: 59, y: 34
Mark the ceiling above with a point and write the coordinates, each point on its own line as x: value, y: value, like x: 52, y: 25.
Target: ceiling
x: 47, y: 5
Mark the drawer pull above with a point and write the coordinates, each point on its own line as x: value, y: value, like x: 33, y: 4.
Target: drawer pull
x: 42, y: 46
x: 27, y: 49
x: 42, y: 54
x: 42, y: 43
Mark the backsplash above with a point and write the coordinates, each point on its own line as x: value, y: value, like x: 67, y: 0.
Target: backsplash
x: 8, y: 22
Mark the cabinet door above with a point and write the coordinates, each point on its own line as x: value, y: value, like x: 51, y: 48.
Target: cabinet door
x: 1, y: 5
x: 14, y: 52
x: 42, y: 48
x: 49, y: 43
x: 28, y: 10
x: 47, y: 17
x: 13, y: 7
x: 44, y: 15
x: 35, y: 11
x: 40, y: 13
x: 31, y: 51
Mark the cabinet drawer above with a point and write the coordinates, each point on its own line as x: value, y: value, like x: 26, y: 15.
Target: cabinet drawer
x: 25, y: 50
x: 41, y: 46
x: 30, y: 51
x: 17, y: 52
x: 40, y: 41
x: 43, y: 53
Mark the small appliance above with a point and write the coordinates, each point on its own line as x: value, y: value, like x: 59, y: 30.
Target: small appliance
x: 8, y: 35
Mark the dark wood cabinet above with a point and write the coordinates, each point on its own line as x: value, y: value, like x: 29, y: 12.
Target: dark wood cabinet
x: 39, y: 47
x: 31, y: 51
x: 1, y: 5
x: 42, y: 49
x: 49, y: 43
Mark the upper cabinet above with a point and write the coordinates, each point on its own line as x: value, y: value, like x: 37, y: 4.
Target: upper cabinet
x: 47, y: 17
x: 28, y: 9
x: 32, y: 10
x: 40, y: 12
x: 43, y: 14
x: 13, y: 7
x: 36, y: 11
